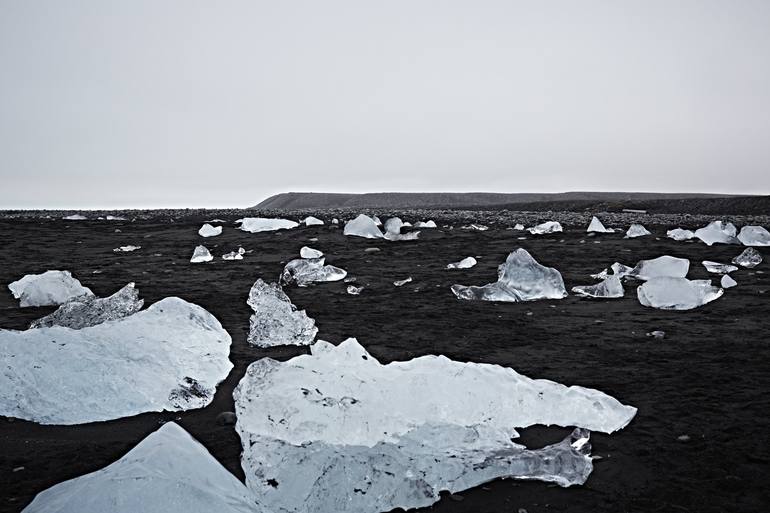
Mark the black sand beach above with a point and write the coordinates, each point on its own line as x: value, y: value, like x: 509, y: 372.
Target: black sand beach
x: 708, y: 379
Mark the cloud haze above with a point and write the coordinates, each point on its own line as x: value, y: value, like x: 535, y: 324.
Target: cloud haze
x: 195, y: 103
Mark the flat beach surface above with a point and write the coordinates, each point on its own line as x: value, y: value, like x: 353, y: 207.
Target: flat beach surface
x: 709, y: 378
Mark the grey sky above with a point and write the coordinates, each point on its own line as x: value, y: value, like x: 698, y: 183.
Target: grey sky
x: 197, y: 103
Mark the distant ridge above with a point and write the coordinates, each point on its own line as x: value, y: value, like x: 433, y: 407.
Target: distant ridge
x: 322, y: 200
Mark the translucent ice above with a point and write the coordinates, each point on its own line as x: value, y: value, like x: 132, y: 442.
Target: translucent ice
x: 609, y: 288
x: 663, y: 266
x: 89, y: 310
x: 598, y: 227
x: 476, y: 227
x: 170, y: 356
x: 669, y: 293
x: 425, y: 224
x: 680, y: 234
x: 307, y: 252
x: 234, y: 255
x: 48, y: 288
x: 754, y: 236
x: 636, y: 230
x: 547, y: 227
x: 716, y: 267
x: 201, y: 254
x: 209, y: 231
x: 368, y: 437
x: 126, y: 249
x: 264, y: 224
x: 276, y: 321
x: 520, y: 278
x: 167, y: 472
x: 393, y: 230
x: 312, y: 221
x: 306, y: 271
x: 75, y: 217
x: 718, y: 232
x: 727, y: 282
x: 399, y: 283
x: 465, y: 263
x: 363, y: 226
x: 353, y: 290
x: 518, y: 227
x: 749, y: 258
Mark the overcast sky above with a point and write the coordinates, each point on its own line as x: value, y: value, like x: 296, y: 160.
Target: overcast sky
x: 153, y: 103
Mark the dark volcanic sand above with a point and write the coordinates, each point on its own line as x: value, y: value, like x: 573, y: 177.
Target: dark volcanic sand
x: 709, y: 378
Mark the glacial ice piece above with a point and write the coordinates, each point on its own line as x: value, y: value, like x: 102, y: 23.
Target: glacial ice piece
x: 636, y: 230
x: 547, y: 227
x: 393, y: 230
x: 115, y: 218
x: 621, y: 270
x: 276, y: 321
x: 754, y: 236
x: 353, y: 290
x: 663, y: 266
x: 609, y: 288
x: 669, y: 293
x: 307, y: 252
x: 335, y: 221
x: 90, y: 310
x: 426, y: 224
x: 717, y: 232
x: 75, y: 217
x: 680, y: 234
x: 519, y: 227
x: 170, y: 356
x: 727, y: 282
x: 368, y: 437
x: 598, y: 227
x: 716, y: 267
x: 264, y: 224
x: 393, y: 225
x: 201, y: 254
x: 209, y: 231
x: 465, y: 263
x: 520, y: 278
x: 126, y: 249
x: 48, y: 288
x: 234, y: 255
x: 601, y: 275
x: 400, y: 283
x: 363, y: 226
x: 312, y: 221
x: 749, y: 258
x: 306, y: 271
x: 377, y: 220
x: 477, y: 227
x: 167, y: 472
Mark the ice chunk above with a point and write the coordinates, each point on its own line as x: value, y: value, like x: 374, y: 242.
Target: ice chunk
x: 426, y: 224
x: 718, y: 232
x: 48, y: 288
x: 668, y: 293
x: 126, y: 249
x: 170, y: 356
x: 518, y: 227
x: 167, y: 472
x: 353, y: 290
x: 609, y: 288
x: 306, y: 271
x: 399, y: 283
x: 393, y: 230
x: 276, y: 321
x: 115, y: 218
x: 636, y: 230
x: 209, y: 231
x: 727, y: 282
x: 306, y: 252
x: 754, y: 236
x: 663, y: 266
x: 465, y: 263
x: 335, y: 221
x: 716, y: 267
x: 75, y: 217
x: 476, y: 227
x: 520, y: 278
x: 547, y: 227
x: 621, y: 270
x: 201, y: 254
x: 234, y: 255
x: 602, y: 275
x: 90, y: 310
x: 680, y: 234
x: 312, y: 221
x: 368, y: 437
x: 377, y: 220
x: 363, y: 226
x: 749, y: 258
x: 264, y: 224
x: 598, y: 227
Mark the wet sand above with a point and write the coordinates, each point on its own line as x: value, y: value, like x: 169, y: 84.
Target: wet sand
x: 708, y: 379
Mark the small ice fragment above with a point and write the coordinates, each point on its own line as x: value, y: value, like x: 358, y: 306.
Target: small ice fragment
x: 263, y: 224
x: 547, y: 227
x: 727, y: 282
x: 657, y: 334
x: 48, y: 288
x: 465, y: 263
x: 363, y: 226
x: 307, y: 252
x: 716, y: 267
x: 75, y: 217
x: 518, y: 227
x: 636, y: 230
x: 609, y: 288
x: 306, y: 271
x: 353, y: 290
x: 209, y: 231
x: 126, y: 249
x: 234, y: 255
x: 477, y: 227
x: 680, y: 234
x: 668, y: 293
x: 425, y: 224
x: 597, y: 227
x: 399, y: 283
x: 90, y: 310
x: 312, y: 221
x: 749, y: 258
x: 754, y: 236
x: 663, y: 266
x: 718, y: 232
x: 276, y: 321
x: 201, y: 254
